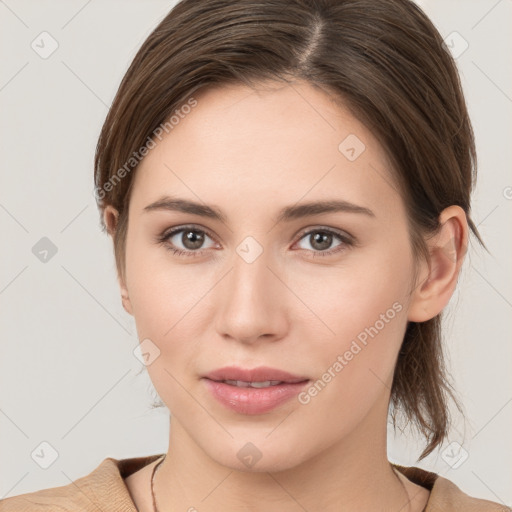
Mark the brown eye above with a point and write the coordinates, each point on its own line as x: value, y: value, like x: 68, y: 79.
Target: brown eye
x: 192, y: 239
x: 187, y: 241
x: 321, y: 242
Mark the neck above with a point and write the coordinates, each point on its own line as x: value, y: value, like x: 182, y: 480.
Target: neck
x: 352, y: 475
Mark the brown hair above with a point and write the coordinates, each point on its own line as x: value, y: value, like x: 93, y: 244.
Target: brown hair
x: 384, y: 60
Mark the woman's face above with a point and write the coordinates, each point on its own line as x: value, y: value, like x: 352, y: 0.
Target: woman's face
x: 323, y: 296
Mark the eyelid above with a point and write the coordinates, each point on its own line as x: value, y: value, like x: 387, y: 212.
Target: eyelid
x: 301, y: 233
x: 344, y: 235
x: 182, y: 227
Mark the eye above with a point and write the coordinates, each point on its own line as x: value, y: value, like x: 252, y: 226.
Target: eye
x: 189, y: 241
x: 190, y: 238
x: 321, y: 239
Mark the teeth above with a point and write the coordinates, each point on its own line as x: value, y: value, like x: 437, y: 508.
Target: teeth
x: 243, y: 384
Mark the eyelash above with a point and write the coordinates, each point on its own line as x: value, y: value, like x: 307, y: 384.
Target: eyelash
x: 163, y: 239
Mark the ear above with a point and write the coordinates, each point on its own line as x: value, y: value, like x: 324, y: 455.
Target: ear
x: 447, y: 249
x: 110, y: 218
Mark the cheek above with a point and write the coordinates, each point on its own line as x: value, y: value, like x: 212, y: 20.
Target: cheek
x: 367, y: 327
x: 162, y: 291
x: 364, y: 306
x: 354, y: 368
x: 166, y: 299
x: 368, y: 288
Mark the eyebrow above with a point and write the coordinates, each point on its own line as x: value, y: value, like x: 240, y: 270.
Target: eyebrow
x: 286, y: 214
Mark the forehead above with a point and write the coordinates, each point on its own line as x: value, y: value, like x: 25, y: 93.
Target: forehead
x: 274, y: 144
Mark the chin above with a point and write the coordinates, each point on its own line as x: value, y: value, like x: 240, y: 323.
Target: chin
x: 256, y: 453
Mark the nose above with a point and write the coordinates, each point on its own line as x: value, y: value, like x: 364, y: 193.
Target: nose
x: 252, y: 302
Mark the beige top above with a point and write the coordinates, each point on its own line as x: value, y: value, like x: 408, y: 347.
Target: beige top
x: 104, y: 490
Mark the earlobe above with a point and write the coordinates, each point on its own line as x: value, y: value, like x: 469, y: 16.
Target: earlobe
x: 447, y: 249
x: 125, y: 299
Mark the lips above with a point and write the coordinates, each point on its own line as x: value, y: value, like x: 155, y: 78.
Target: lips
x: 253, y: 391
x: 260, y: 374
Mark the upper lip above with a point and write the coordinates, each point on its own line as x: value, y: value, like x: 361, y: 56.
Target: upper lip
x: 259, y: 374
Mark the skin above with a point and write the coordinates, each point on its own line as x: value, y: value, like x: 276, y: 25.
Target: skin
x: 251, y: 153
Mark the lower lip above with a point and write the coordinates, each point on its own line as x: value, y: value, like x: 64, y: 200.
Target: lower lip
x: 253, y: 400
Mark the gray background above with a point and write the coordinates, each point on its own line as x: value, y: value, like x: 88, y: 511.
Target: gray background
x: 68, y: 375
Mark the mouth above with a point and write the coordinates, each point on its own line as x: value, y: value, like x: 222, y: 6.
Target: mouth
x: 244, y: 384
x: 253, y: 391
x: 262, y: 376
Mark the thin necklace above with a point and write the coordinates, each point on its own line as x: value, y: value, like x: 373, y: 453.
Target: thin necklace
x: 155, y: 509
x: 155, y: 468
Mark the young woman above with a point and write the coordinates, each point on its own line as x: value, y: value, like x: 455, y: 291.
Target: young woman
x: 287, y: 184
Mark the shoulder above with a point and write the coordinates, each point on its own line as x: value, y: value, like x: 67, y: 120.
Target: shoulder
x: 102, y: 489
x: 446, y: 496
x: 57, y: 498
